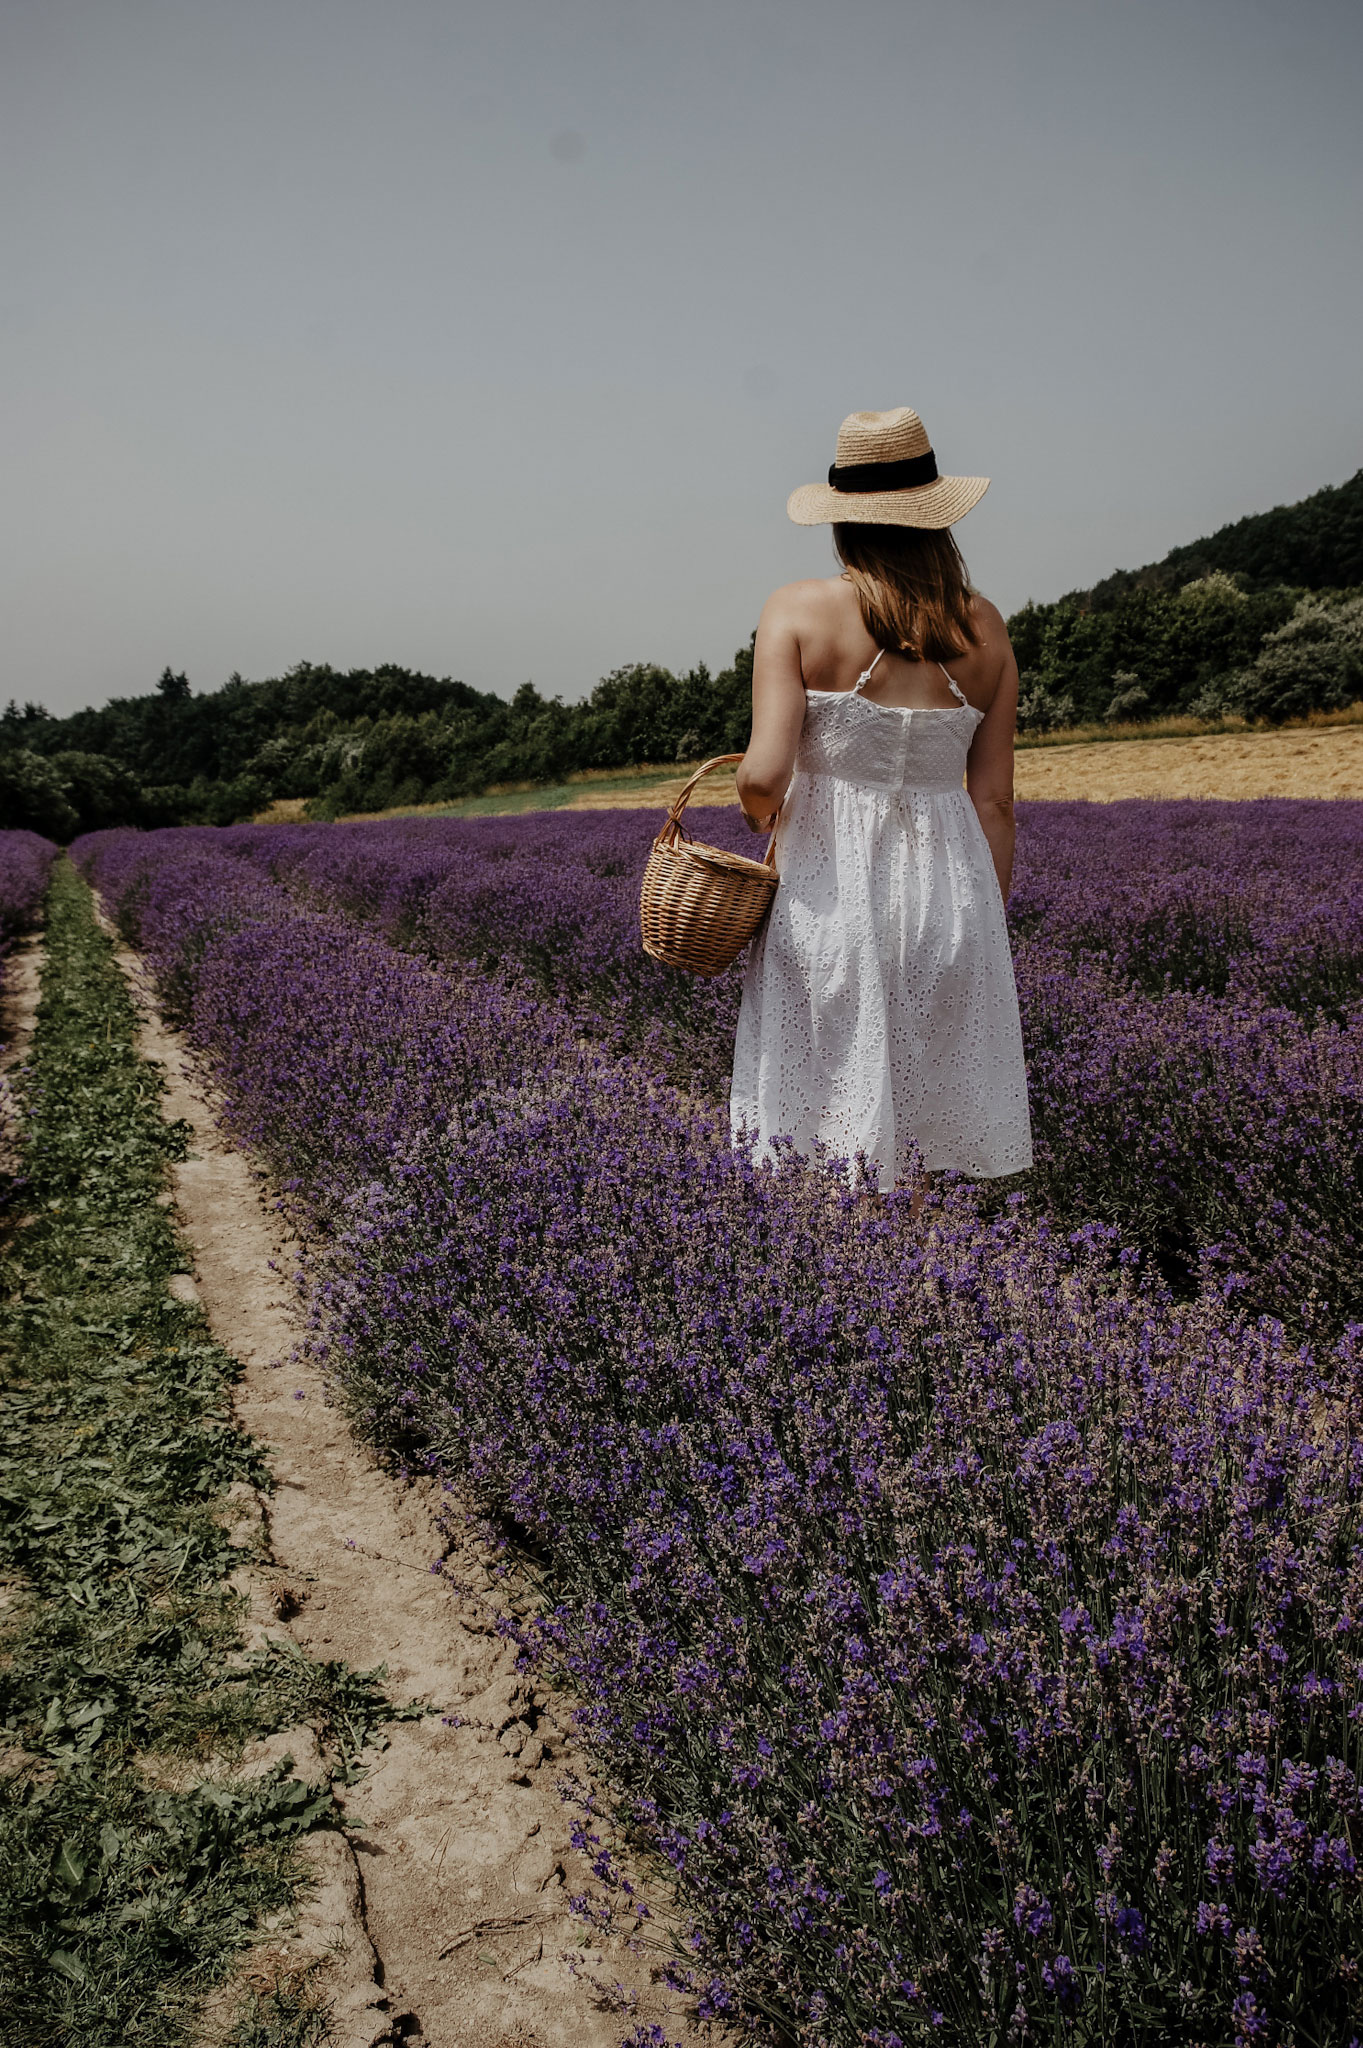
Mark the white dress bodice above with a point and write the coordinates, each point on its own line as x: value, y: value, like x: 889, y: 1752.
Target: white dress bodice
x: 884, y: 746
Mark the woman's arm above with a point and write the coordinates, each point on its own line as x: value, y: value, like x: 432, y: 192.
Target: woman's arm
x: 778, y: 710
x: 989, y: 767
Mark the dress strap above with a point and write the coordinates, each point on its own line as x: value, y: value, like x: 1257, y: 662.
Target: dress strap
x: 957, y: 692
x: 864, y: 678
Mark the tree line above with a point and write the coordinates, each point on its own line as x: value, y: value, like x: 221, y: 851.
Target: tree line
x: 348, y: 740
x: 1263, y: 619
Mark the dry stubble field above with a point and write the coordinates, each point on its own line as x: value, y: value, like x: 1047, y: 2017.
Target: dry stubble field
x: 1309, y: 761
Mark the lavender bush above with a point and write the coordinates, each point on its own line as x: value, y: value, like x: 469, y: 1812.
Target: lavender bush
x: 973, y: 1629
x: 557, y: 896
x: 25, y: 864
x: 1189, y: 975
x: 1256, y: 901
x: 1259, y: 903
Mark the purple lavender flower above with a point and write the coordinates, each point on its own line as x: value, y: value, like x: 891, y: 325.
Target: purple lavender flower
x: 852, y: 1527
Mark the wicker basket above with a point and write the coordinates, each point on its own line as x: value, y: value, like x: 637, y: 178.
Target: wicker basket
x: 700, y: 905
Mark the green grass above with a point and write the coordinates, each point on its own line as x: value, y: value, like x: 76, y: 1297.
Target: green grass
x: 536, y: 796
x: 548, y: 796
x: 136, y: 1865
x: 286, y: 2015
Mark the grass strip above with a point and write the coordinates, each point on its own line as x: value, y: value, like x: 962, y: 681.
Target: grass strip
x: 137, y: 1864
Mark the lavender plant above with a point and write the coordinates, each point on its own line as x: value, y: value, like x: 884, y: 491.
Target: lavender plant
x: 1256, y: 901
x: 971, y: 1627
x: 25, y: 864
x: 1189, y: 975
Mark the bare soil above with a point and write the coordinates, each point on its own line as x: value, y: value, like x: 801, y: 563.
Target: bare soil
x: 20, y: 978
x: 443, y: 1919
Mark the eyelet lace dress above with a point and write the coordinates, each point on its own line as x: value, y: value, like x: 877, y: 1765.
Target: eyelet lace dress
x: 879, y: 1012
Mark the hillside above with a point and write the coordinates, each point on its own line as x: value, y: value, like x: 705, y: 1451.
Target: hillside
x: 1263, y: 619
x: 1316, y: 544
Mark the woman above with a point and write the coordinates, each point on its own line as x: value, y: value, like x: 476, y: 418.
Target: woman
x: 879, y: 1014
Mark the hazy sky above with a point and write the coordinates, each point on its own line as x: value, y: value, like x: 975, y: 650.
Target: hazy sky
x: 490, y: 338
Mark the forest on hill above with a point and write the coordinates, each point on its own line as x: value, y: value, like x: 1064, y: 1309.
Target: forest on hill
x: 1263, y: 619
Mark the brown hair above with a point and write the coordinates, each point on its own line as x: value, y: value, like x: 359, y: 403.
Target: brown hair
x: 913, y: 588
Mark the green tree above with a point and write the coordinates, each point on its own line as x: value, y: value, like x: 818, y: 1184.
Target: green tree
x: 102, y: 792
x: 33, y: 797
x: 1312, y: 663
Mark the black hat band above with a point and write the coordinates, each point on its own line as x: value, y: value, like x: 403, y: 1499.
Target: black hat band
x: 885, y: 476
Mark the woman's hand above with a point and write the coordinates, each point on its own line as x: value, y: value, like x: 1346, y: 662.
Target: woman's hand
x: 759, y: 824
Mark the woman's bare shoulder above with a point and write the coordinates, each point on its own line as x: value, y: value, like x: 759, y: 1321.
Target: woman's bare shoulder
x: 988, y: 622
x: 812, y: 596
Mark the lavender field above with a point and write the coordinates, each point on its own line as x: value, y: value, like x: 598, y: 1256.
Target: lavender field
x: 968, y: 1614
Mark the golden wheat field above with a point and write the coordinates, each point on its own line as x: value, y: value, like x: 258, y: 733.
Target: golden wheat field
x: 1304, y: 761
x: 1321, y: 762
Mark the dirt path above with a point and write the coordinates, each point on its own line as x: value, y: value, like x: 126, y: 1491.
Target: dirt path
x: 461, y: 1863
x: 20, y: 978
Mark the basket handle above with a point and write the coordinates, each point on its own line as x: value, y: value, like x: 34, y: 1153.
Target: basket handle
x: 673, y: 827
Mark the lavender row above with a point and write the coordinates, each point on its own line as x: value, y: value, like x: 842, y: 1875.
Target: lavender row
x: 1175, y: 1092
x: 558, y: 896
x: 25, y: 864
x: 975, y: 1633
x: 1258, y: 902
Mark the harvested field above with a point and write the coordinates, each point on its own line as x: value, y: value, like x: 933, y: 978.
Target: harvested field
x: 1322, y: 761
x: 1319, y: 761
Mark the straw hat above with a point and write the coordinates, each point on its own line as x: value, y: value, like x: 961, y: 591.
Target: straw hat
x: 886, y: 475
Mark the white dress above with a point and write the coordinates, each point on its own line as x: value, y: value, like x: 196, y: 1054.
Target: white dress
x: 879, y: 1011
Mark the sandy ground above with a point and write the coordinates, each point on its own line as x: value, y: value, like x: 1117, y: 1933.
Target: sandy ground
x: 446, y: 1922
x: 1319, y: 761
x: 20, y: 975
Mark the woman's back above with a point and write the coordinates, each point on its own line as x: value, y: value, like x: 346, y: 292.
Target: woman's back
x: 835, y: 647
